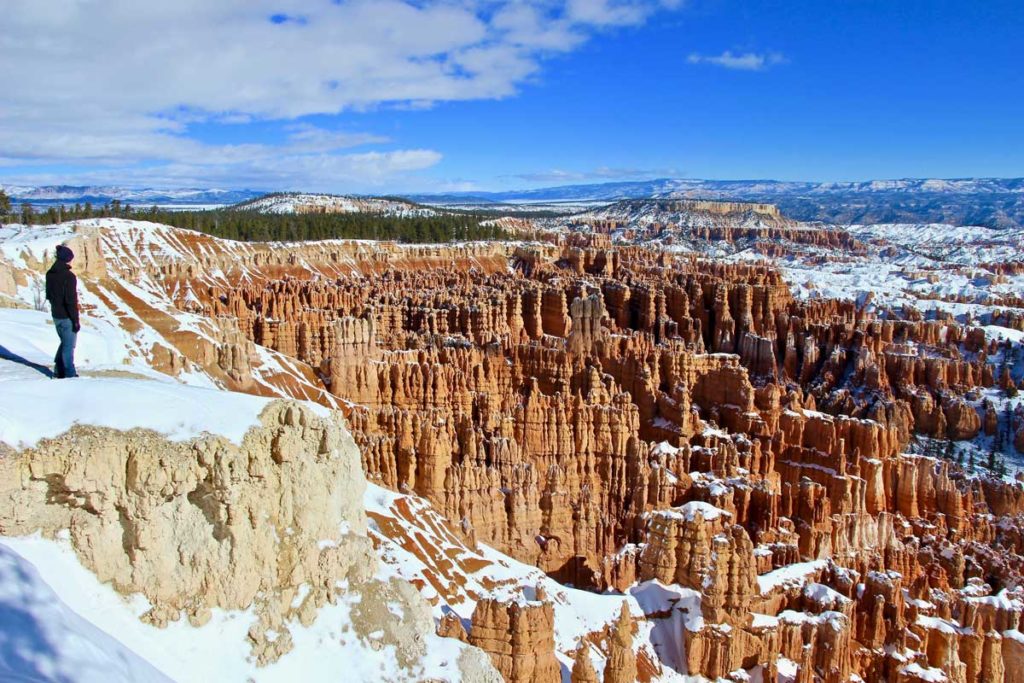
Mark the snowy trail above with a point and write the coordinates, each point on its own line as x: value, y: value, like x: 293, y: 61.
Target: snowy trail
x: 33, y: 406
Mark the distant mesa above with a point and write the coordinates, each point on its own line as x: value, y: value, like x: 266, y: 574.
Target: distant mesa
x: 310, y: 203
x: 57, y: 195
x: 989, y: 202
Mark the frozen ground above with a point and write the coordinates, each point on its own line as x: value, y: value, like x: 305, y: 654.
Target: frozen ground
x: 110, y: 392
x: 59, y: 623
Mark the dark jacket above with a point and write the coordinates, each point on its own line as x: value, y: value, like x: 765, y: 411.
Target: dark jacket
x: 62, y: 291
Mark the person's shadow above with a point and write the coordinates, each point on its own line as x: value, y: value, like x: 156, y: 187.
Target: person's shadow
x: 6, y: 354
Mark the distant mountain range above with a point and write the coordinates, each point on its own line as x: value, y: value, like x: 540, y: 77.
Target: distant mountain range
x: 992, y: 202
x: 95, y: 194
x: 735, y: 189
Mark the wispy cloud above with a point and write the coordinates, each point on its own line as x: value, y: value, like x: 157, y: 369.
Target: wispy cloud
x: 602, y: 173
x: 746, y: 61
x: 308, y: 158
x: 162, y: 68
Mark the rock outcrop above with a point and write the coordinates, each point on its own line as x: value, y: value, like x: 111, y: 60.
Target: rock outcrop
x: 519, y: 637
x: 614, y: 414
x: 621, y: 665
x: 274, y: 525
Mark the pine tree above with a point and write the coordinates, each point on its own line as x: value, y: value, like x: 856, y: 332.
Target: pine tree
x: 947, y: 452
x: 5, y: 203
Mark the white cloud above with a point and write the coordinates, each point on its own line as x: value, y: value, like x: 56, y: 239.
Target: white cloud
x: 310, y: 158
x: 355, y: 172
x: 600, y: 174
x: 121, y: 81
x: 606, y: 12
x: 747, y: 61
x: 359, y: 171
x: 309, y: 138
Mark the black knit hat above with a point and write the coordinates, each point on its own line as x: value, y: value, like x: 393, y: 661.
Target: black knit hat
x: 64, y: 254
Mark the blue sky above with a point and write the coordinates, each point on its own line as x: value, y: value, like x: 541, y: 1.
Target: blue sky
x: 436, y: 95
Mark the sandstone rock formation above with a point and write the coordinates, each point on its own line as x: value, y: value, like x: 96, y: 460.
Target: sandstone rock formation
x: 519, y: 637
x: 614, y: 414
x: 576, y: 403
x: 621, y: 666
x: 274, y: 525
x: 582, y: 668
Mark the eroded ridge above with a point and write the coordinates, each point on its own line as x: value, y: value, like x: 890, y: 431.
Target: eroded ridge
x: 272, y: 529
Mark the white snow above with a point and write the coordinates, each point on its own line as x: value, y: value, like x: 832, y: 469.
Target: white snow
x: 1003, y: 600
x: 924, y: 673
x: 1014, y: 634
x: 664, y: 448
x: 689, y: 512
x: 30, y: 335
x: 787, y: 669
x: 84, y: 611
x: 764, y: 621
x: 824, y: 595
x: 938, y: 624
x: 835, y: 619
x: 667, y: 635
x: 34, y: 408
x: 790, y: 575
x: 294, y: 202
x: 41, y: 638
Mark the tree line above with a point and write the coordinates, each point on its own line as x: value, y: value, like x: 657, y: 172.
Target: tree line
x: 968, y: 456
x: 252, y: 226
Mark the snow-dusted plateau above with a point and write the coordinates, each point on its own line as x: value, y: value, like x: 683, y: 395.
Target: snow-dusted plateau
x: 654, y: 440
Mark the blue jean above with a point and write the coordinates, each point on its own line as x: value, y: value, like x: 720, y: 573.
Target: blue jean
x: 65, y: 358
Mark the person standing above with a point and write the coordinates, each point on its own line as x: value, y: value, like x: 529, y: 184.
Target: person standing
x: 62, y: 293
